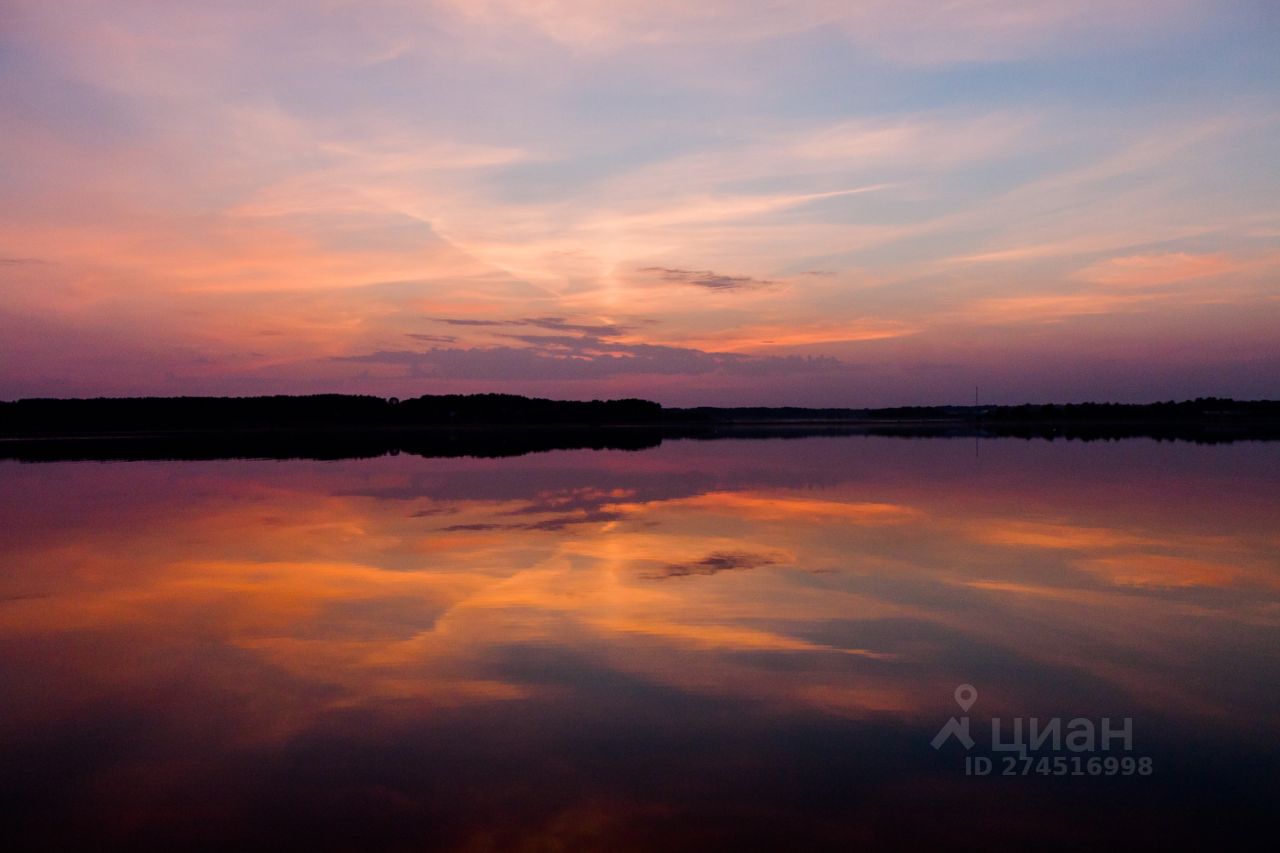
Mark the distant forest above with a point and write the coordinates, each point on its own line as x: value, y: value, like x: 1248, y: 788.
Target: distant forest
x: 320, y: 411
x: 333, y: 426
x: 105, y: 415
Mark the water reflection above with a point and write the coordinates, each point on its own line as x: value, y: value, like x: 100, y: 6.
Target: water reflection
x: 738, y: 644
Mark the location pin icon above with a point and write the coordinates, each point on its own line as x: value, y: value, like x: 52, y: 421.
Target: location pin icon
x: 966, y: 695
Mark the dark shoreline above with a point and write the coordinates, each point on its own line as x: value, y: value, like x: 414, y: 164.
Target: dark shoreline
x: 491, y: 442
x: 490, y: 425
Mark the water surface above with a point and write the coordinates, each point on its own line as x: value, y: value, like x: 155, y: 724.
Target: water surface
x: 739, y: 644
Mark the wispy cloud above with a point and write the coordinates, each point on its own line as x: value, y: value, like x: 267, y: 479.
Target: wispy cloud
x: 274, y: 196
x: 555, y: 324
x: 1155, y: 270
x: 576, y: 358
x: 713, y: 563
x: 910, y: 31
x: 707, y: 278
x: 434, y: 339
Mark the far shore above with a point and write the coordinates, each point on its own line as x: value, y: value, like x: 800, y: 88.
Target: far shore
x: 337, y: 426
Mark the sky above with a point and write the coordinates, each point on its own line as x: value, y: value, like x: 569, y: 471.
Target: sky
x: 810, y: 202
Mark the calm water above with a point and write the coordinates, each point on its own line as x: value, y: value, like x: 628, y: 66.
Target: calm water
x: 710, y: 645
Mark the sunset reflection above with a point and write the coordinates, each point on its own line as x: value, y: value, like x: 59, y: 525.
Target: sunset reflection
x: 242, y: 611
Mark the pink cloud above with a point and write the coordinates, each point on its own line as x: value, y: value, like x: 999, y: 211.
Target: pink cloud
x: 1155, y: 269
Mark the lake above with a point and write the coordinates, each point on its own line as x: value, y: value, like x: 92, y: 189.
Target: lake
x: 808, y: 643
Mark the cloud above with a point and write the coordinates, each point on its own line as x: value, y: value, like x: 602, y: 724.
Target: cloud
x: 713, y: 563
x: 559, y: 324
x: 707, y: 278
x: 224, y: 182
x: 760, y: 506
x: 1054, y: 307
x: 905, y: 31
x: 583, y: 499
x: 459, y: 321
x: 1154, y: 270
x: 569, y: 357
x: 1163, y: 570
x: 561, y: 509
x: 563, y: 521
x: 583, y: 351
x: 606, y: 330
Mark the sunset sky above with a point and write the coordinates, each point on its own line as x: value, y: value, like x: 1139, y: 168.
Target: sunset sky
x: 823, y: 202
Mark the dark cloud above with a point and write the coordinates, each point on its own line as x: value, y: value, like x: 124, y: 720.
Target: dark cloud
x: 586, y: 500
x: 713, y: 563
x: 559, y: 522
x: 584, y: 357
x: 451, y: 321
x: 431, y: 511
x: 571, y: 350
x: 555, y: 324
x: 707, y: 278
x: 572, y: 358
x: 435, y: 339
x: 558, y: 324
x: 581, y: 343
x: 563, y: 507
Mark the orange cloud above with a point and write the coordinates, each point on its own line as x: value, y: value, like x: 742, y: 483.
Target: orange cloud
x: 1161, y: 570
x: 724, y: 637
x: 785, y: 507
x: 1153, y: 270
x: 1047, y: 535
x: 1051, y: 308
